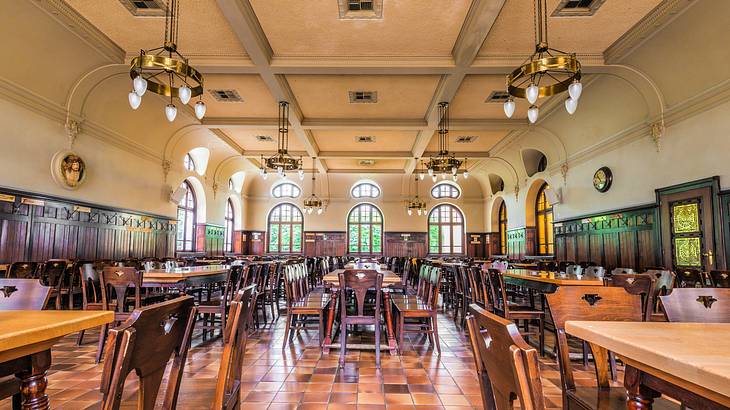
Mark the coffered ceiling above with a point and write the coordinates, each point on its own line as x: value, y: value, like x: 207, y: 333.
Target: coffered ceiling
x: 413, y: 56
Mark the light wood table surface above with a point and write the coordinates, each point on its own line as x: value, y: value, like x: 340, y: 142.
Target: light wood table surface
x: 553, y: 278
x: 389, y: 278
x: 687, y: 361
x: 25, y: 345
x: 184, y: 276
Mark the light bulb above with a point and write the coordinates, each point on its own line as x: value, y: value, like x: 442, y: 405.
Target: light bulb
x: 140, y: 85
x: 410, y: 212
x: 184, y: 93
x: 433, y: 177
x: 262, y: 171
x: 422, y: 175
x: 200, y: 110
x: 532, y: 114
x: 301, y: 174
x: 509, y: 107
x: 419, y: 212
x: 319, y: 211
x: 575, y: 89
x: 430, y: 171
x: 532, y: 93
x: 134, y: 100
x: 265, y: 175
x: 466, y: 174
x: 571, y: 105
x: 454, y: 170
x: 170, y: 112
x: 279, y: 170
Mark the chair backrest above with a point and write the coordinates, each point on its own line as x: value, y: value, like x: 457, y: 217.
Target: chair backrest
x: 595, y: 271
x: 616, y: 271
x: 690, y: 278
x: 359, y: 281
x: 507, y: 367
x: 22, y: 270
x: 144, y: 343
x: 53, y: 273
x: 708, y: 305
x: 23, y: 294
x: 574, y: 270
x: 235, y: 336
x: 477, y: 290
x: 498, y: 291
x: 637, y: 284
x: 120, y: 279
x: 720, y: 278
x: 598, y: 303
x: 90, y: 283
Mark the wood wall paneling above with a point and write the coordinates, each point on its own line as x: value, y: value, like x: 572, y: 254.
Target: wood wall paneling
x: 411, y: 244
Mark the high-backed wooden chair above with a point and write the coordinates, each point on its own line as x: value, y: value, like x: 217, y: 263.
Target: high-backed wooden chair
x: 637, y: 284
x: 115, y: 283
x: 709, y: 305
x: 507, y: 367
x: 418, y: 314
x: 144, y: 343
x: 55, y: 275
x: 664, y: 281
x: 228, y: 388
x: 22, y: 270
x: 597, y: 303
x: 302, y: 302
x: 92, y: 296
x: 510, y: 311
x: 720, y: 278
x: 690, y: 278
x: 595, y: 271
x: 359, y: 282
x: 214, y: 309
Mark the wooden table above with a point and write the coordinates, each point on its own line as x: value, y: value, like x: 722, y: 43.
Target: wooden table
x: 687, y: 361
x: 332, y: 280
x: 547, y: 282
x: 25, y: 345
x: 366, y: 265
x: 184, y: 277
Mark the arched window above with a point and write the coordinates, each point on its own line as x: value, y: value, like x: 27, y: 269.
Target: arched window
x: 230, y: 184
x: 185, y: 240
x: 544, y: 220
x: 445, y: 190
x: 286, y: 190
x: 188, y: 163
x: 285, y: 229
x: 445, y: 230
x: 365, y: 230
x: 230, y: 223
x: 365, y: 190
x: 503, y: 229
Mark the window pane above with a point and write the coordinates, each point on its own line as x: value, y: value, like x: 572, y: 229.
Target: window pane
x: 433, y: 238
x: 273, y: 238
x: 377, y: 237
x: 457, y: 237
x: 364, y: 238
x: 353, y: 238
x: 445, y: 241
x: 686, y: 218
x: 297, y: 238
x: 687, y: 251
x: 285, y: 238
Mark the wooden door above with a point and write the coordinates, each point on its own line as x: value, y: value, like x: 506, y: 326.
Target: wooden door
x: 688, y: 228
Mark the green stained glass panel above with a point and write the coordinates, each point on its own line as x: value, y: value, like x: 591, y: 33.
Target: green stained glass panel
x: 433, y: 238
x: 297, y: 238
x: 354, y: 244
x: 377, y: 238
x: 687, y: 251
x: 286, y: 238
x: 274, y: 238
x: 686, y: 218
x: 365, y: 238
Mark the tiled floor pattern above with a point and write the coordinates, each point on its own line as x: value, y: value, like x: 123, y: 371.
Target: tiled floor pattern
x: 301, y: 377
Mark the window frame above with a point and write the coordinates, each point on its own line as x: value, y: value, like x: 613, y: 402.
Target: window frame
x: 453, y: 188
x: 360, y: 225
x: 372, y: 186
x: 502, y: 228
x: 291, y: 223
x: 280, y: 186
x: 544, y: 219
x: 190, y: 214
x: 450, y: 224
x: 189, y: 162
x: 230, y: 223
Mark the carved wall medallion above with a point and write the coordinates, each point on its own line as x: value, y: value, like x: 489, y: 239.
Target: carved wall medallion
x: 68, y: 169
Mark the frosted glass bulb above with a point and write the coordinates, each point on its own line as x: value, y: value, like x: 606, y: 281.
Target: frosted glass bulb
x: 575, y: 89
x: 301, y: 174
x: 140, y: 85
x: 454, y: 170
x: 509, y: 107
x: 466, y: 174
x: 265, y: 175
x: 279, y: 170
x: 262, y: 171
x: 184, y: 93
x: 571, y: 105
x: 454, y: 178
x: 430, y: 171
x: 134, y: 100
x: 319, y: 211
x: 422, y: 175
x: 532, y: 93
x: 433, y: 178
x: 410, y: 212
x: 170, y: 112
x: 200, y: 110
x: 532, y: 114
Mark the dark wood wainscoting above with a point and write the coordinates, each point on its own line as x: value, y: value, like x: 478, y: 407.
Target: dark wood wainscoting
x: 491, y: 246
x: 210, y: 239
x: 253, y: 242
x: 332, y: 243
x: 477, y: 244
x: 517, y: 242
x: 37, y: 228
x: 625, y: 238
x: 412, y: 244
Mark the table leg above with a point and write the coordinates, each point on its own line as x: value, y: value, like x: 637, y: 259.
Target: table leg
x: 33, y: 382
x: 639, y: 396
x: 330, y: 322
x: 392, y: 346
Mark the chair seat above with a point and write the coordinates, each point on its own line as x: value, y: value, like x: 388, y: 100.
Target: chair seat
x: 312, y: 302
x: 613, y: 398
x: 213, y: 302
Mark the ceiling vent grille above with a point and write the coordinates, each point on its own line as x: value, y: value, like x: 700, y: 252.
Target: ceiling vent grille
x: 363, y: 97
x: 497, y: 97
x: 366, y: 162
x: 466, y: 139
x: 226, y: 95
x: 364, y: 138
x: 577, y: 8
x: 145, y: 8
x: 360, y: 9
x: 264, y: 138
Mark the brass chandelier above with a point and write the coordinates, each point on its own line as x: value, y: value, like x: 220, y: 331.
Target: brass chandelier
x: 444, y: 163
x: 416, y: 204
x: 164, y: 71
x: 282, y: 162
x: 545, y: 73
x: 313, y: 203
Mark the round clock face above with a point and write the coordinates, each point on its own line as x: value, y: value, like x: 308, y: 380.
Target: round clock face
x: 602, y: 179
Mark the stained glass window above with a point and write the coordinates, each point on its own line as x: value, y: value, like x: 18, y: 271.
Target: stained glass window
x: 185, y: 240
x: 445, y: 230
x: 544, y: 220
x: 688, y: 251
x: 686, y: 218
x: 285, y: 229
x: 365, y: 230
x: 503, y: 228
x: 686, y: 233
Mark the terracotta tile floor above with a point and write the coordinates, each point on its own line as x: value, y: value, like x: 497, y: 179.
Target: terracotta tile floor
x: 300, y: 376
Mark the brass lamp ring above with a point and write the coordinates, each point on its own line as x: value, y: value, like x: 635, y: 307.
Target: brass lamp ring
x: 177, y: 67
x: 565, y: 62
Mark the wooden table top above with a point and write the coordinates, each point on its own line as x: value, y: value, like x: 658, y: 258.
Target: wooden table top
x: 680, y: 353
x: 31, y: 331
x: 555, y: 278
x: 366, y: 265
x: 389, y: 278
x: 179, y: 274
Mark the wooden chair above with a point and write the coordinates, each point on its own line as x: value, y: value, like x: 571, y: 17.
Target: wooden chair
x: 478, y: 287
x: 510, y: 311
x: 720, y: 278
x: 116, y: 281
x: 574, y: 270
x: 598, y: 303
x: 55, y: 275
x: 418, y: 313
x: 92, y: 297
x: 507, y: 367
x: 663, y: 285
x: 690, y: 278
x: 217, y: 306
x: 461, y: 293
x: 637, y: 284
x: 359, y: 282
x: 701, y: 305
x: 144, y: 343
x: 228, y: 388
x: 302, y: 303
x: 22, y: 270
x: 595, y: 271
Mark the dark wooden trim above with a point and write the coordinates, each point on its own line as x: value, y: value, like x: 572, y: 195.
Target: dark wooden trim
x: 610, y: 212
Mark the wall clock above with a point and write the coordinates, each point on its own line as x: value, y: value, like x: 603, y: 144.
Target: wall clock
x: 602, y: 179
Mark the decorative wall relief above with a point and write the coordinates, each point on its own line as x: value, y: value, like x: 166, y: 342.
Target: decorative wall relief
x: 68, y: 169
